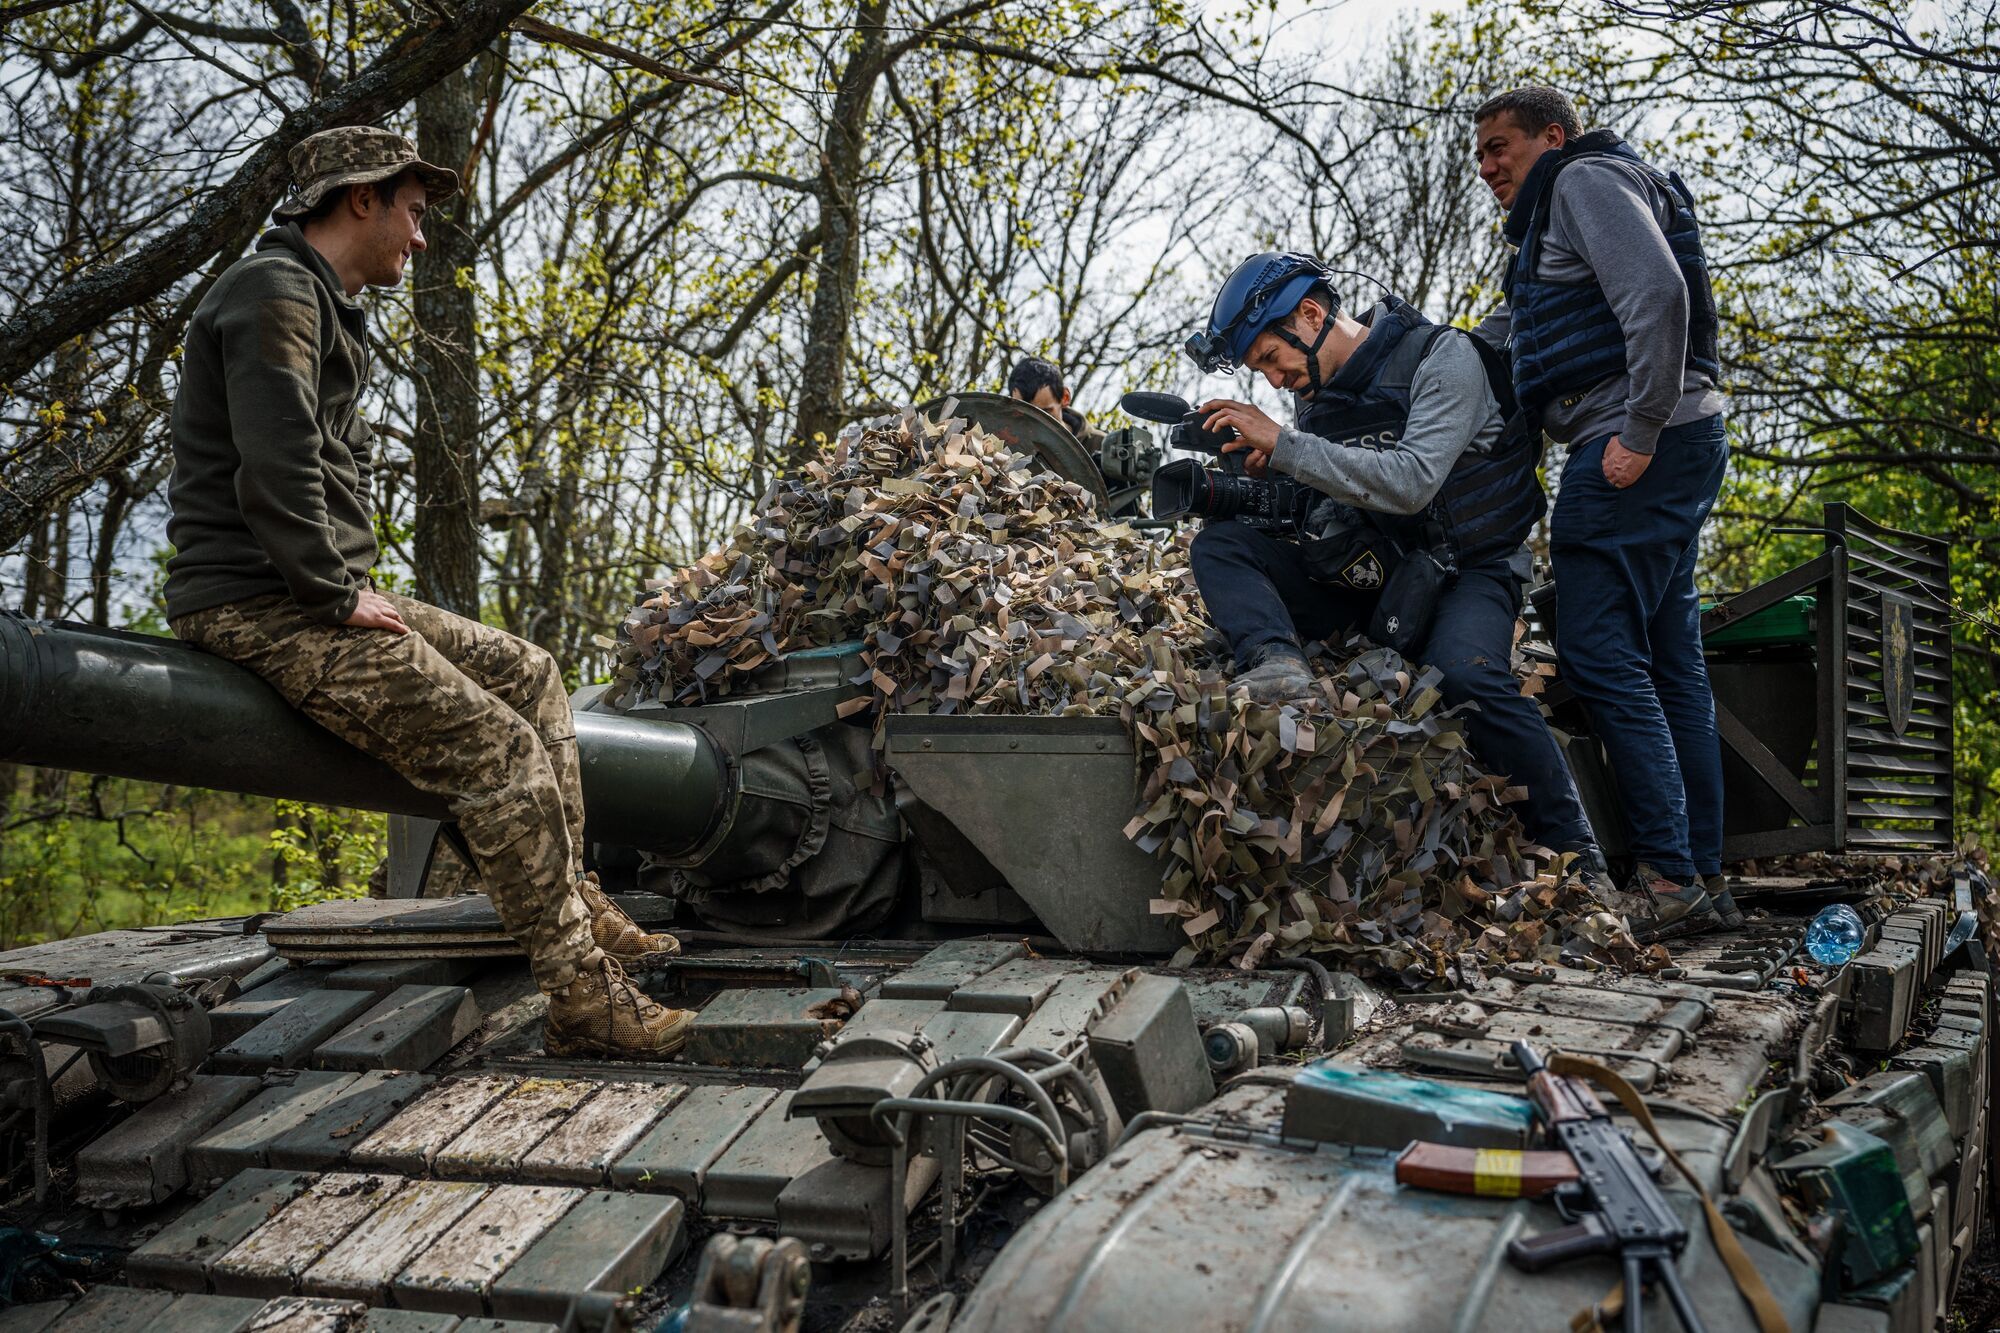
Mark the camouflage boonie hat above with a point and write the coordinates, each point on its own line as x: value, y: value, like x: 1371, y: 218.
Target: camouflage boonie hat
x: 355, y: 155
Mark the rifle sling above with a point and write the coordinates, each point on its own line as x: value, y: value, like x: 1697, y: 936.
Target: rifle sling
x: 1763, y: 1305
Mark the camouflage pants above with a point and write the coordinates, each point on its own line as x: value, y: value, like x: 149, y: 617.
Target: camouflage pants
x: 460, y: 709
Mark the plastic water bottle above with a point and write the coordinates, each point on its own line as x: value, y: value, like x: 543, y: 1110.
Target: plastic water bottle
x: 1834, y: 935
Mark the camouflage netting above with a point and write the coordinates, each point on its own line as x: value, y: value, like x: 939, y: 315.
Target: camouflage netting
x: 1352, y: 824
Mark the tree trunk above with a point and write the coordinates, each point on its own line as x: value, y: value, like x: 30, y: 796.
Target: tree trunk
x: 445, y: 448
x: 837, y: 272
x: 546, y: 619
x: 35, y: 575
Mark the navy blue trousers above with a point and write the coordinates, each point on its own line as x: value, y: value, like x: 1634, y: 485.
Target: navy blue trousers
x: 1628, y: 637
x: 1257, y: 593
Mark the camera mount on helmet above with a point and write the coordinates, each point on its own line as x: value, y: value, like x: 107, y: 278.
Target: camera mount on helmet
x: 1261, y: 291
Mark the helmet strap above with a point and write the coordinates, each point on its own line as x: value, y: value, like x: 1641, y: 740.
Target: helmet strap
x: 1313, y: 382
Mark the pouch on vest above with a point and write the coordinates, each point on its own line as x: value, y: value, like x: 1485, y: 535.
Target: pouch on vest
x: 1351, y: 558
x: 1409, y: 602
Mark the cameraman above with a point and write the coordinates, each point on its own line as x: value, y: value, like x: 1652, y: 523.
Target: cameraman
x: 1430, y: 492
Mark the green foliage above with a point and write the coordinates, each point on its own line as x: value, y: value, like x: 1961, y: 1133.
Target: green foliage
x: 80, y: 855
x: 319, y: 852
x: 1942, y: 388
x: 1850, y: 190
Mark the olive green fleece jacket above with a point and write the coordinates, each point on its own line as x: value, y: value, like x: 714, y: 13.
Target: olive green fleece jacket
x: 270, y: 484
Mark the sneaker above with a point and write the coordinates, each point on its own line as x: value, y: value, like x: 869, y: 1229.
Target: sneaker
x: 616, y: 933
x: 1662, y: 908
x: 1278, y: 674
x: 601, y: 1013
x: 1723, y: 900
x: 1589, y: 860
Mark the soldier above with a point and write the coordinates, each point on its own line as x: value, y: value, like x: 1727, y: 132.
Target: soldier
x: 273, y: 533
x: 1611, y: 329
x: 1418, y: 467
x: 1040, y: 384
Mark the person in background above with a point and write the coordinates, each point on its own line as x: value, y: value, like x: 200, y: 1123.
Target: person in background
x: 1040, y: 384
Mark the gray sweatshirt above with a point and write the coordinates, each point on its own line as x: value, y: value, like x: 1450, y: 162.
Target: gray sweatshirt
x: 1607, y: 223
x: 1452, y: 411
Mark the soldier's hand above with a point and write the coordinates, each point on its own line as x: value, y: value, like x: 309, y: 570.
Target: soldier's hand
x: 374, y: 611
x: 1622, y: 466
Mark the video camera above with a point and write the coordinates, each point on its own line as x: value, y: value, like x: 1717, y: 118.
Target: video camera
x: 1188, y: 488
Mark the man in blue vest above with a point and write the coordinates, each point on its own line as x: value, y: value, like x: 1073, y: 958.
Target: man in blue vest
x: 1402, y: 435
x: 1610, y: 328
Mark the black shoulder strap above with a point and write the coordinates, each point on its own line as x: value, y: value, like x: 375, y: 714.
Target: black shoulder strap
x: 1668, y: 183
x: 1499, y: 375
x: 1546, y: 201
x: 1515, y: 426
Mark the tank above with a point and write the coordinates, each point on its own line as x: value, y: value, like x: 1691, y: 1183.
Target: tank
x: 941, y: 1077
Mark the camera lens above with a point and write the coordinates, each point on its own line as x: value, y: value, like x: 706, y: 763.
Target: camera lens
x: 1184, y: 488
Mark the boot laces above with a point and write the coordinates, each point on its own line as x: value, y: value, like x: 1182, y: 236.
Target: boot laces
x: 620, y: 988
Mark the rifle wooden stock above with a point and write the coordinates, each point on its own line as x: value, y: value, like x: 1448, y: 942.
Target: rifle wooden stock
x: 1496, y: 1173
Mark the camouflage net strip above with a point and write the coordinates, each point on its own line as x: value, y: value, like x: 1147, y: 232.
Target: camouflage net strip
x: 1353, y: 823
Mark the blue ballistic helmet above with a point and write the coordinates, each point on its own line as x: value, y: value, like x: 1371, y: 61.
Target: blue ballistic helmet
x: 1262, y: 290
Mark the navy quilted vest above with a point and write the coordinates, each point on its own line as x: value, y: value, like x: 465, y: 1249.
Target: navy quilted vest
x: 1564, y: 337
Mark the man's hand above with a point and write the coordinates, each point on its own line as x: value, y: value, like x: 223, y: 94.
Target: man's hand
x: 374, y: 611
x: 1256, y: 431
x: 1622, y: 467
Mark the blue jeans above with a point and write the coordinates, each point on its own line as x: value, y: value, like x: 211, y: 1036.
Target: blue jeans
x: 1628, y: 637
x: 1258, y: 593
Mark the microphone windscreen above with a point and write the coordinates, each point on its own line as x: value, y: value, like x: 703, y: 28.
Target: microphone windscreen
x: 1165, y: 408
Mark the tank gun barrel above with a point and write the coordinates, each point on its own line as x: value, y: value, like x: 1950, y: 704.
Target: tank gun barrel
x: 140, y: 706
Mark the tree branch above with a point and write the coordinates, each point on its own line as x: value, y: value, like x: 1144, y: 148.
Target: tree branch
x: 576, y: 41
x: 415, y: 61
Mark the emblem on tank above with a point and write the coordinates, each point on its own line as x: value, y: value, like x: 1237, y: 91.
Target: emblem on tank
x: 1899, y: 662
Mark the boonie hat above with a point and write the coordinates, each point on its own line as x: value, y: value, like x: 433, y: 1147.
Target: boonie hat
x: 355, y: 155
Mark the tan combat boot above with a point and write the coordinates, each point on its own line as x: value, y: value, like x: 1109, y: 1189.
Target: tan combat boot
x: 616, y: 933
x: 601, y: 1013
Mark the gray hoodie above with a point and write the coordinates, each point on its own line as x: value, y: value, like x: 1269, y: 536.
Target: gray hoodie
x: 1607, y: 223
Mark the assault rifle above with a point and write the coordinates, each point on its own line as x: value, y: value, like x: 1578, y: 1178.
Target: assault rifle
x: 1604, y: 1190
